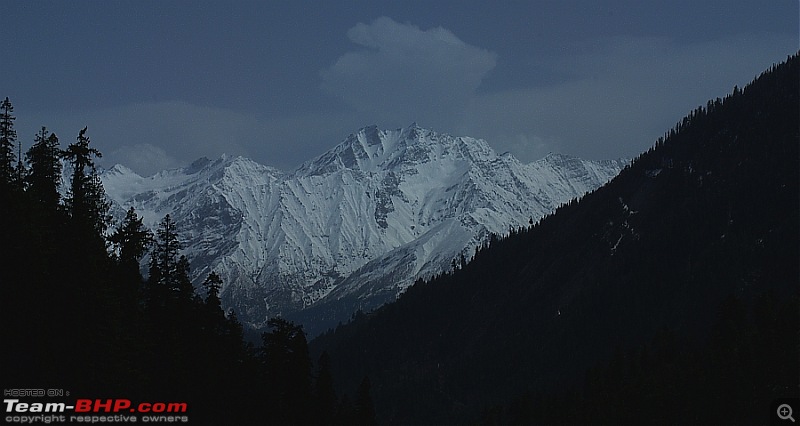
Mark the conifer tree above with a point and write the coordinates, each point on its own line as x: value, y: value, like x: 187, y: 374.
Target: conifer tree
x: 87, y: 203
x: 169, y: 271
x: 164, y: 259
x: 8, y: 137
x: 235, y: 334
x: 44, y: 177
x: 182, y: 285
x: 21, y: 172
x: 131, y: 239
x: 97, y: 204
x: 213, y: 283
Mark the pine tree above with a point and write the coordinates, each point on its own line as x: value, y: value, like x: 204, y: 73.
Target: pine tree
x: 87, y: 202
x: 181, y: 286
x: 164, y: 258
x: 44, y: 177
x: 97, y: 204
x: 131, y: 239
x: 169, y: 279
x: 235, y: 333
x: 8, y: 137
x: 213, y: 283
x: 21, y: 172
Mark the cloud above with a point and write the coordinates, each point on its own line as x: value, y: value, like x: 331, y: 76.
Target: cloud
x: 621, y: 94
x: 148, y: 137
x: 403, y: 73
x: 151, y: 137
x: 145, y: 159
x: 615, y: 97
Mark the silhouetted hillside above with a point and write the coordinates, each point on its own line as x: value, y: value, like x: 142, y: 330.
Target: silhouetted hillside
x: 675, y: 285
x: 79, y: 319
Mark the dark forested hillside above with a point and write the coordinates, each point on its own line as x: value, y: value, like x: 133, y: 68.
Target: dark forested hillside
x: 80, y: 321
x: 673, y: 288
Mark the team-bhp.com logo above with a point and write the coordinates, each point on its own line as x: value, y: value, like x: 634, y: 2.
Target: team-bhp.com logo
x: 93, y: 411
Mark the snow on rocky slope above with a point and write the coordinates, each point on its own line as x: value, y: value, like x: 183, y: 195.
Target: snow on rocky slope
x: 354, y: 227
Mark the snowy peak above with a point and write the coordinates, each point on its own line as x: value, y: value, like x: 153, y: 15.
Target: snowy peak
x: 372, y: 150
x: 120, y: 170
x: 359, y: 151
x: 353, y: 227
x: 155, y: 196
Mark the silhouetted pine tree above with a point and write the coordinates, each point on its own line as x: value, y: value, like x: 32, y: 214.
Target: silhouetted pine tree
x: 8, y: 138
x: 131, y: 239
x: 163, y: 262
x: 213, y: 283
x: 87, y: 204
x: 181, y: 286
x: 44, y: 177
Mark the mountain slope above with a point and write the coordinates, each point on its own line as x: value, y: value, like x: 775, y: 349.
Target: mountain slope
x: 708, y: 215
x: 354, y: 227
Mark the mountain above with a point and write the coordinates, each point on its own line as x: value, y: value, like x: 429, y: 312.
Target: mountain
x: 668, y: 296
x: 354, y: 227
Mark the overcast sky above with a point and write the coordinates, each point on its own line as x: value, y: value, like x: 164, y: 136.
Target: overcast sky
x: 161, y: 83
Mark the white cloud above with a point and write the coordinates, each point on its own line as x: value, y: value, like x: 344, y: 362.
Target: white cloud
x: 404, y: 74
x: 144, y: 158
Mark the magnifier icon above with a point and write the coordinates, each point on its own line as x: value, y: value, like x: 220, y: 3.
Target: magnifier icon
x: 785, y: 412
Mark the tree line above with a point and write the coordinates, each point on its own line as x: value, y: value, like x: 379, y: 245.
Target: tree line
x: 78, y: 315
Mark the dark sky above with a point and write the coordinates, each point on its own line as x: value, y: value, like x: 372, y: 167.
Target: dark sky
x: 161, y: 83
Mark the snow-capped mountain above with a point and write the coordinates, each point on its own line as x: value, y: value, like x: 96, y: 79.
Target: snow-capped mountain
x: 353, y: 227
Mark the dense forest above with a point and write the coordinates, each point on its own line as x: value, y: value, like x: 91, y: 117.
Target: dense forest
x: 670, y: 295
x: 78, y: 316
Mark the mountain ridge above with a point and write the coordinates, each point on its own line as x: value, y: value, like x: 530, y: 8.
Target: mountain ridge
x: 284, y: 241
